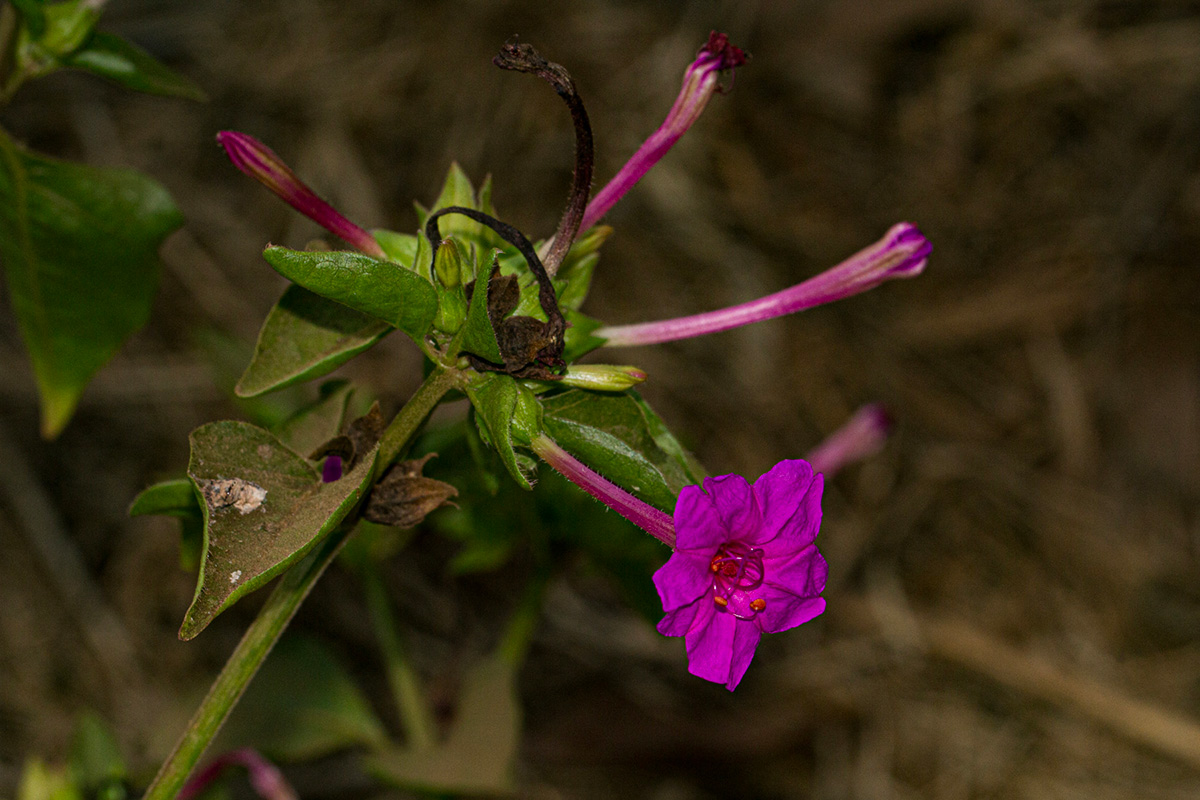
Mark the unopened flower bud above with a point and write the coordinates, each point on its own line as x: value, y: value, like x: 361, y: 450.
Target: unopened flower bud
x: 261, y: 163
x: 603, y: 377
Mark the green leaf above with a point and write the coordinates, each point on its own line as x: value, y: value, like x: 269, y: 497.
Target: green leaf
x: 400, y: 247
x: 479, y: 753
x: 306, y: 336
x: 78, y: 246
x: 34, y: 16
x: 693, y: 471
x: 495, y: 398
x: 314, y: 425
x: 264, y: 508
x: 399, y: 297
x: 66, y: 27
x: 174, y: 498
x: 618, y: 436
x: 130, y: 66
x: 302, y: 705
x: 40, y: 782
x: 478, y: 335
x: 96, y: 764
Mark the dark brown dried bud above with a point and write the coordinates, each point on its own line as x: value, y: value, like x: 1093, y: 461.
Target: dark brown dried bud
x: 404, y: 497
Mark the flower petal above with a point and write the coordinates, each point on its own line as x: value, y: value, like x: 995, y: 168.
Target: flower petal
x: 682, y: 580
x: 710, y: 644
x: 735, y: 505
x: 789, y: 496
x: 698, y: 526
x: 785, y: 611
x: 802, y: 573
x: 745, y: 640
x: 679, y: 621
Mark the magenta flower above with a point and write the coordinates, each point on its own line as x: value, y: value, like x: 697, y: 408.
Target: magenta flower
x: 744, y: 561
x: 744, y: 564
x: 901, y: 253
x: 700, y: 82
x: 260, y: 162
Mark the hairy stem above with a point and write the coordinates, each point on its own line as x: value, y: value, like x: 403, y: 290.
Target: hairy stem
x: 275, y: 615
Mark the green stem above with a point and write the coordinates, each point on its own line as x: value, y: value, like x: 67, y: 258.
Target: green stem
x: 523, y: 623
x: 8, y: 39
x: 293, y: 587
x: 400, y: 432
x: 406, y: 685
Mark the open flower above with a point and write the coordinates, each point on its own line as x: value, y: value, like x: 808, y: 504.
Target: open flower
x: 745, y: 564
x: 744, y: 560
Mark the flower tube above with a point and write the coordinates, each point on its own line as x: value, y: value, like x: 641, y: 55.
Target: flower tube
x: 744, y: 561
x: 901, y: 253
x: 700, y: 82
x: 265, y: 778
x: 863, y: 435
x: 261, y: 163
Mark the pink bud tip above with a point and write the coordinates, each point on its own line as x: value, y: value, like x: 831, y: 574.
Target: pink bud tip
x: 261, y: 163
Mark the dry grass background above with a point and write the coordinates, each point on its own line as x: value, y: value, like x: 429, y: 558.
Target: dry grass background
x: 1014, y: 605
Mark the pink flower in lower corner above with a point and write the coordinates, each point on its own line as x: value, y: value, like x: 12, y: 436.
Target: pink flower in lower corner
x: 745, y: 564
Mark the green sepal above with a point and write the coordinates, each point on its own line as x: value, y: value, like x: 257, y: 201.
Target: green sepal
x: 130, y: 66
x: 306, y: 336
x: 456, y: 191
x: 578, y: 340
x: 478, y: 335
x: 285, y: 511
x: 620, y: 437
x: 502, y: 409
x: 399, y: 247
x: 575, y: 274
x: 79, y: 248
x: 399, y: 297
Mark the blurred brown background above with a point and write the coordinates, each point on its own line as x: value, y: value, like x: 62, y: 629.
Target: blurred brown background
x: 1014, y: 604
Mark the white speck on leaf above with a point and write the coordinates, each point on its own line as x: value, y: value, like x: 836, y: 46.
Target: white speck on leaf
x: 235, y: 576
x: 242, y: 495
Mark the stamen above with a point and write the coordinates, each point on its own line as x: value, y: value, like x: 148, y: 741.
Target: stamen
x: 758, y: 604
x: 721, y: 601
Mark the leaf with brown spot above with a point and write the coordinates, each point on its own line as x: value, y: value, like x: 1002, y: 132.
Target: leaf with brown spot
x: 264, y: 508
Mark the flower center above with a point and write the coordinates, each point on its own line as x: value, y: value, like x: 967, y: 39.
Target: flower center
x: 737, y: 570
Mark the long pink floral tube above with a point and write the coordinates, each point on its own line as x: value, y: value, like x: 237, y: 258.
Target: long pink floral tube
x: 862, y: 436
x: 261, y: 163
x: 901, y: 253
x: 700, y: 82
x: 657, y: 523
